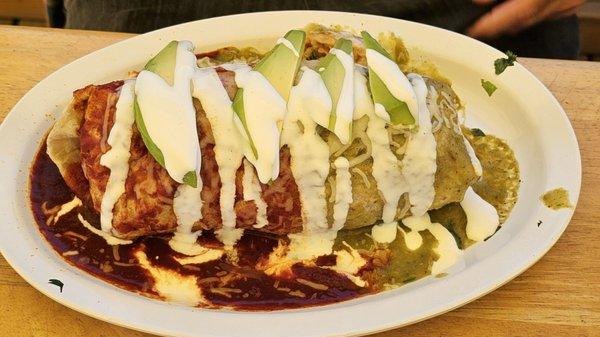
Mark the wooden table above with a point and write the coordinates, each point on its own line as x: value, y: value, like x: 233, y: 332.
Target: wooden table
x: 560, y: 295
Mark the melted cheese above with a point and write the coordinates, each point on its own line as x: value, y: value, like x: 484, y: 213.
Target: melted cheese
x: 174, y: 133
x: 206, y: 255
x: 482, y: 218
x: 344, y: 109
x: 117, y: 158
x: 307, y: 246
x: 395, y: 81
x: 349, y: 262
x: 419, y: 162
x: 171, y: 285
x: 252, y: 190
x: 304, y: 248
x: 264, y: 111
x: 446, y: 249
x: 309, y: 152
x: 66, y: 208
x: 343, y: 192
x: 228, y: 142
x: 111, y: 240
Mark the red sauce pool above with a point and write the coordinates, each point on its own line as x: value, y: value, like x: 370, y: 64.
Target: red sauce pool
x: 248, y: 288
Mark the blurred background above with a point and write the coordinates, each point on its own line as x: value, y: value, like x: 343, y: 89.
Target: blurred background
x: 52, y: 13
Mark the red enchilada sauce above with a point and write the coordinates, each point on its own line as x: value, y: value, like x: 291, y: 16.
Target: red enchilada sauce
x: 223, y: 284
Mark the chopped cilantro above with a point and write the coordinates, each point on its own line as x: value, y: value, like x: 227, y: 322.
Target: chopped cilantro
x: 488, y: 86
x: 477, y: 132
x: 57, y: 283
x: 502, y: 63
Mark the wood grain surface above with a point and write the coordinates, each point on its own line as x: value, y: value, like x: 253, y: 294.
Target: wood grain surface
x: 558, y: 296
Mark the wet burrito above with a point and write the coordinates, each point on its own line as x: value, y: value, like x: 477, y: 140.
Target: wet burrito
x: 378, y: 161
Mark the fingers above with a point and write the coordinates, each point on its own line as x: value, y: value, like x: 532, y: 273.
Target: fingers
x: 509, y: 16
x: 514, y: 15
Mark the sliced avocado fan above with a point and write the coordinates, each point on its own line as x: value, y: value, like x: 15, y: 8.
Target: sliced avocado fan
x: 397, y: 109
x: 332, y: 72
x: 163, y: 64
x: 279, y: 66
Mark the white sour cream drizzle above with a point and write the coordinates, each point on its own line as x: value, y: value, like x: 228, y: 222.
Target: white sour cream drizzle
x: 187, y: 205
x: 229, y: 236
x: 169, y: 114
x: 419, y: 162
x: 343, y: 192
x: 385, y: 232
x: 288, y: 44
x: 228, y: 142
x: 482, y: 218
x: 117, y: 158
x: 474, y: 160
x: 111, y: 240
x: 446, y: 249
x: 395, y: 81
x: 309, y: 152
x: 264, y: 111
x: 344, y: 109
x: 386, y: 167
x: 252, y: 190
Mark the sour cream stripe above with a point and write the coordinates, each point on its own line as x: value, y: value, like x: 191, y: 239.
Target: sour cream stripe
x: 309, y: 152
x: 264, y: 111
x: 117, y: 158
x: 386, y: 167
x: 446, y: 249
x: 252, y: 191
x: 343, y: 192
x: 207, y: 87
x: 419, y: 162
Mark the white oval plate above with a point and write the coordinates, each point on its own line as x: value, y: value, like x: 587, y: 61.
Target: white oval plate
x: 522, y: 111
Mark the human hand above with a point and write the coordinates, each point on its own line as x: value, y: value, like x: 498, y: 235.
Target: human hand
x: 512, y: 16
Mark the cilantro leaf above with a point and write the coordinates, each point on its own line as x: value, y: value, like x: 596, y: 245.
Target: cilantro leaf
x: 488, y: 86
x: 57, y: 283
x: 502, y: 63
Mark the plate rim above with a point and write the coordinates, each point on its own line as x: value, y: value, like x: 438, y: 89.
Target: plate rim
x: 437, y: 311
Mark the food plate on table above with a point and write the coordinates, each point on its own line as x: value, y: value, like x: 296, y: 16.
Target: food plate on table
x: 363, y: 167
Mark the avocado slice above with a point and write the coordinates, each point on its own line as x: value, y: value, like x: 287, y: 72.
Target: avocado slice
x: 332, y: 72
x: 279, y: 66
x: 163, y: 64
x: 397, y: 109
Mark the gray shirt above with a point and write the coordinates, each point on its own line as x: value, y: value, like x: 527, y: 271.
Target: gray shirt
x: 553, y: 39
